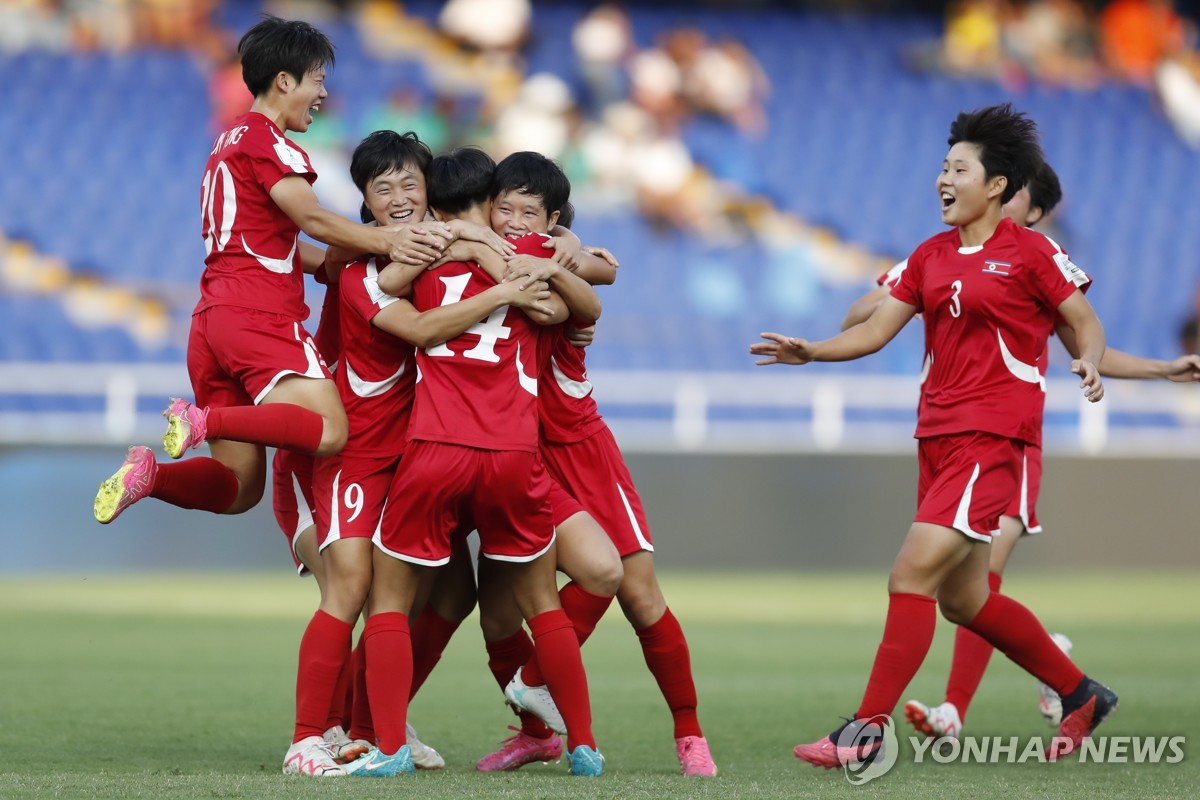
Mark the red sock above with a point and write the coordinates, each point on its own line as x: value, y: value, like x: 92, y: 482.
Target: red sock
x: 971, y: 656
x: 505, y: 657
x: 1013, y: 630
x: 202, y: 483
x: 667, y: 656
x: 324, y: 649
x: 907, y: 635
x: 343, y: 695
x: 431, y: 633
x: 557, y: 648
x: 274, y: 425
x: 584, y: 609
x: 389, y: 674
x: 362, y: 726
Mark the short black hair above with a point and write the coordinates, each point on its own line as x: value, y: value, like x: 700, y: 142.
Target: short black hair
x: 1045, y: 192
x: 1007, y: 141
x: 566, y: 215
x: 281, y: 45
x: 460, y: 179
x: 383, y: 151
x: 533, y: 174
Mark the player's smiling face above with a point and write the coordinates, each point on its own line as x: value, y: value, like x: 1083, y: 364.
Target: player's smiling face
x: 515, y: 214
x: 305, y: 99
x: 963, y: 187
x: 397, y: 196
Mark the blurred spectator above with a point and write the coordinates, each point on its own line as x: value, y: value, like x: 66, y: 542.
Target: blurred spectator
x: 226, y: 90
x: 540, y: 119
x: 102, y: 24
x: 729, y: 82
x: 1054, y: 41
x: 656, y: 85
x: 1137, y: 34
x: 1177, y: 83
x: 488, y: 25
x: 404, y: 110
x: 34, y: 26
x: 603, y: 42
x: 972, y: 42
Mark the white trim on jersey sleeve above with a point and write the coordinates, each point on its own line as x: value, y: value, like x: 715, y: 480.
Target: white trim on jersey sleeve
x: 892, y: 276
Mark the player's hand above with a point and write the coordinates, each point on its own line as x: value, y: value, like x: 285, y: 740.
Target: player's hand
x: 566, y: 251
x: 417, y: 243
x: 780, y: 349
x: 581, y: 337
x: 529, y: 269
x: 1185, y: 369
x: 603, y: 253
x: 461, y: 229
x: 532, y: 296
x: 1093, y: 389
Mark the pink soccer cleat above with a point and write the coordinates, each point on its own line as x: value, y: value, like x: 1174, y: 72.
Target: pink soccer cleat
x: 695, y: 760
x: 517, y: 751
x: 829, y: 754
x: 187, y: 427
x: 127, y: 485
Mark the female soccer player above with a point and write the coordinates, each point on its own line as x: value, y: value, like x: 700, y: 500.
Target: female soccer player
x: 989, y: 291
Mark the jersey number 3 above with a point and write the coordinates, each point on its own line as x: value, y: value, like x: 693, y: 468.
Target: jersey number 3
x: 955, y: 305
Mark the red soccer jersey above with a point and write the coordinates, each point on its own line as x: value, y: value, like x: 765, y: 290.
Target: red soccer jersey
x: 566, y: 410
x: 252, y: 248
x: 480, y: 388
x: 988, y: 311
x: 376, y: 376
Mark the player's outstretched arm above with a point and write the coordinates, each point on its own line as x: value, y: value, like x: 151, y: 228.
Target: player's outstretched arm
x: 1090, y: 343
x: 862, y: 339
x: 410, y: 243
x: 437, y: 325
x: 581, y: 299
x: 862, y: 308
x: 1119, y: 364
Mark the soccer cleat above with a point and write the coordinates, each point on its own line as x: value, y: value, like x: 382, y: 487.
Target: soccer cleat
x: 519, y: 750
x: 313, y: 757
x: 695, y: 760
x: 536, y: 700
x: 585, y: 762
x: 344, y: 748
x: 826, y: 752
x: 937, y: 722
x: 187, y: 427
x: 1079, y: 722
x: 1049, y: 703
x: 127, y: 485
x: 423, y: 756
x: 377, y: 764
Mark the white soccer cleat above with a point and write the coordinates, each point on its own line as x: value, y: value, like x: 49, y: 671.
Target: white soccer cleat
x: 423, y: 756
x: 937, y: 722
x: 344, y: 748
x: 537, y: 701
x: 313, y: 757
x: 1049, y: 703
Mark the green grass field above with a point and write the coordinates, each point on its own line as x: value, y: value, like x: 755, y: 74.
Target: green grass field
x: 181, y: 686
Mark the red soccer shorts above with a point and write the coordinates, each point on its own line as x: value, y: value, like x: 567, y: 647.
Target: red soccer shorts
x: 236, y: 356
x: 1024, y: 505
x: 594, y: 473
x: 562, y: 505
x: 505, y: 492
x: 967, y: 480
x: 350, y: 493
x: 292, y: 497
